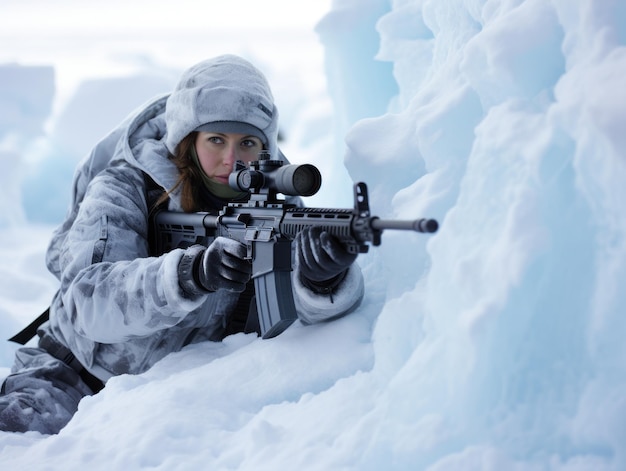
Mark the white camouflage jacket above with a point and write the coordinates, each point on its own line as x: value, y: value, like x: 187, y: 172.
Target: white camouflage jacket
x: 120, y: 309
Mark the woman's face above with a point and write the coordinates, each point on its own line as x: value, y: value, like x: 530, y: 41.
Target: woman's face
x: 218, y: 152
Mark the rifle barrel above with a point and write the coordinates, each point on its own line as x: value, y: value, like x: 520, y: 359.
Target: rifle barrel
x: 417, y: 225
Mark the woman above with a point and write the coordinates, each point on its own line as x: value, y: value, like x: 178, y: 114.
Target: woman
x: 121, y: 308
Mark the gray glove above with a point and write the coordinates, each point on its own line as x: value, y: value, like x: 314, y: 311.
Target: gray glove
x: 221, y: 266
x: 323, y: 259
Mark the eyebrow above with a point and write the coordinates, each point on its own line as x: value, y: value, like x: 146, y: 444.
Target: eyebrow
x: 245, y: 136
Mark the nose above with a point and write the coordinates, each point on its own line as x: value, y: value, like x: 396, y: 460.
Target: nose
x: 231, y: 155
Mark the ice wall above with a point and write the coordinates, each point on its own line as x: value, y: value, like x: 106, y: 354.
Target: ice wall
x: 507, y: 129
x: 26, y: 96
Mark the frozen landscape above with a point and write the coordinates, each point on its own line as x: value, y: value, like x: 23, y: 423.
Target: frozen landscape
x: 494, y: 344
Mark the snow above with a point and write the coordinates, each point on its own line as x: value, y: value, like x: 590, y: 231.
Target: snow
x: 495, y: 343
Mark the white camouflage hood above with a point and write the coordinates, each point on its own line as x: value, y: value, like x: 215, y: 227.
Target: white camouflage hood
x: 223, y: 89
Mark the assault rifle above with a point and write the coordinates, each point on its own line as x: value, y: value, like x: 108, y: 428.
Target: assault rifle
x: 267, y: 225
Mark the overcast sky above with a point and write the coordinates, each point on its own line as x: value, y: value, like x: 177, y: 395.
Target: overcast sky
x: 86, y: 39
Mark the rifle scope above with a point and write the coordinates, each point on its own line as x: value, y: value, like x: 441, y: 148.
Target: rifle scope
x: 274, y: 176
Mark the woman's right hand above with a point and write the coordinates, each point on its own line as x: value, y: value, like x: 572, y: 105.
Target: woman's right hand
x: 220, y: 266
x: 223, y: 266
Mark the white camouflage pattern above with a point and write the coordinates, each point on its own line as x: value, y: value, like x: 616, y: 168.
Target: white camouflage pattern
x: 126, y: 312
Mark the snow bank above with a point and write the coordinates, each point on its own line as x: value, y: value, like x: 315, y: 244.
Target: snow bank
x: 494, y: 344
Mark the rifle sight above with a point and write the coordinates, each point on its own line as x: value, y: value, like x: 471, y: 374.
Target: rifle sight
x: 272, y: 176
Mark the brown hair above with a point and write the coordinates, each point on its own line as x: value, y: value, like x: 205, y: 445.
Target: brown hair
x: 189, y: 179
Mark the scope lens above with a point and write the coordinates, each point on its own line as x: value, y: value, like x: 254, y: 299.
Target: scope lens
x: 306, y: 180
